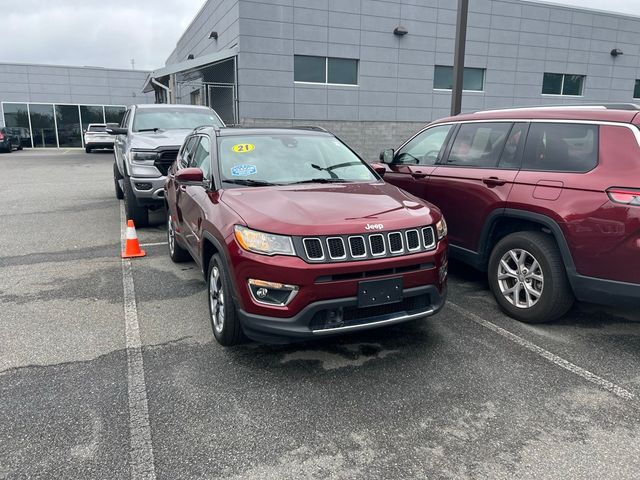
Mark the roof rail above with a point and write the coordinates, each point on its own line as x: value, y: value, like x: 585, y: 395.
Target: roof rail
x: 604, y: 106
x: 311, y: 127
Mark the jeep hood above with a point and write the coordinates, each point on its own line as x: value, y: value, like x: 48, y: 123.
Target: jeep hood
x: 320, y: 209
x: 161, y: 138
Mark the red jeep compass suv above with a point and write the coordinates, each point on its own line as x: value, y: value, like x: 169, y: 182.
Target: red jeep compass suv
x: 546, y: 199
x: 298, y: 237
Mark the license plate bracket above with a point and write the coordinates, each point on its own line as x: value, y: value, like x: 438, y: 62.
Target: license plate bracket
x: 379, y: 292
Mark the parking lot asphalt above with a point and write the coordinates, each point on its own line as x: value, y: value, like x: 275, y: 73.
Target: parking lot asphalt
x: 468, y: 393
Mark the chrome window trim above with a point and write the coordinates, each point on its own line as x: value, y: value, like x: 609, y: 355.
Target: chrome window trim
x: 329, y: 248
x: 364, y: 243
x: 306, y: 251
x: 384, y: 245
x: 406, y: 233
x: 401, y: 242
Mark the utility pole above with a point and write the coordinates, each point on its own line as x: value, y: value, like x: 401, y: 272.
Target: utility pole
x: 133, y: 64
x: 458, y: 58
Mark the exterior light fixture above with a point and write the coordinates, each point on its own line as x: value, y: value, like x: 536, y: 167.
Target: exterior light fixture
x: 400, y: 31
x: 616, y: 51
x: 214, y: 35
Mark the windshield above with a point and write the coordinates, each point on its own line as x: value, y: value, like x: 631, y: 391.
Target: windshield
x: 256, y: 160
x: 172, y: 118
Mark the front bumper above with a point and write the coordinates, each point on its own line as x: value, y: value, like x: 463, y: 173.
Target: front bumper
x: 148, y: 190
x: 418, y: 302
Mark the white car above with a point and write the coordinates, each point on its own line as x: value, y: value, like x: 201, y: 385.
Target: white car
x: 96, y: 136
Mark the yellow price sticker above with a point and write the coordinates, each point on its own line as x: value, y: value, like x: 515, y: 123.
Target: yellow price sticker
x: 243, y: 147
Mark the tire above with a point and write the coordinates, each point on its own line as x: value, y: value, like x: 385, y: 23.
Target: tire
x: 515, y: 284
x: 116, y: 177
x: 176, y: 252
x: 87, y: 149
x: 228, y: 332
x: 20, y: 147
x: 136, y: 212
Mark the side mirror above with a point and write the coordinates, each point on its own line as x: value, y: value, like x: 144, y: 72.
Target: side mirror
x: 187, y: 176
x: 386, y: 156
x: 380, y: 168
x: 116, y: 131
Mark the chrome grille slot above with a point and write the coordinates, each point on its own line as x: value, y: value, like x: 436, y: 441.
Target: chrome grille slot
x: 376, y: 244
x: 313, y: 248
x: 428, y: 238
x: 358, y: 247
x: 413, y: 240
x: 336, y: 248
x: 395, y: 242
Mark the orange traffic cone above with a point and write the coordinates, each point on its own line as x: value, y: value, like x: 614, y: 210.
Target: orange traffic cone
x: 132, y: 247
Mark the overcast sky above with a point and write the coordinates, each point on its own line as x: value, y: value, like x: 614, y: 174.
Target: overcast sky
x: 109, y: 33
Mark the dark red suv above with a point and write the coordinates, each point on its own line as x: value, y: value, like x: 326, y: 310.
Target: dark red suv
x: 546, y: 199
x: 298, y: 237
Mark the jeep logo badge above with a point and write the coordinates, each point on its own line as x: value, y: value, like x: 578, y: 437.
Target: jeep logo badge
x: 374, y: 226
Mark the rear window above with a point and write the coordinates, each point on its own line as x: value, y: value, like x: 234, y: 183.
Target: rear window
x: 561, y: 147
x: 97, y: 128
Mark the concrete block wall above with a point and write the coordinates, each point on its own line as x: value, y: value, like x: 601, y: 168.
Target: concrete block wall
x: 65, y: 84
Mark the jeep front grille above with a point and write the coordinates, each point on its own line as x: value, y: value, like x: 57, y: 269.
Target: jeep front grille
x: 344, y: 248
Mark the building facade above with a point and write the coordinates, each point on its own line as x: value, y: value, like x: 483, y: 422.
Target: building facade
x: 52, y: 105
x: 339, y: 64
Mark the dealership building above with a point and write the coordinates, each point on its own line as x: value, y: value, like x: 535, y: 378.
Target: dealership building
x: 373, y: 71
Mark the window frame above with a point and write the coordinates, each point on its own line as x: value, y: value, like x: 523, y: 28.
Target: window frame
x: 562, y: 94
x: 636, y: 87
x: 438, y: 89
x: 326, y: 72
x: 443, y: 149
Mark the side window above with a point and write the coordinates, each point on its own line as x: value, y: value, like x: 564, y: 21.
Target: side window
x: 479, y: 144
x: 187, y: 151
x: 424, y: 148
x: 512, y: 151
x: 561, y: 147
x: 201, y: 158
x: 125, y: 119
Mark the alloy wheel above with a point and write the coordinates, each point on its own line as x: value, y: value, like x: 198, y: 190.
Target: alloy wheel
x: 520, y: 278
x: 171, y: 235
x: 216, y: 299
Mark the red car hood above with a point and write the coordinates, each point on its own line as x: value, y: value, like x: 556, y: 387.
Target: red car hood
x: 329, y: 209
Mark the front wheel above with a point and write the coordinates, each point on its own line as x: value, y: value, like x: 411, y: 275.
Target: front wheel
x: 87, y: 149
x: 222, y: 309
x: 528, y: 279
x: 116, y: 180
x: 136, y: 212
x: 176, y: 252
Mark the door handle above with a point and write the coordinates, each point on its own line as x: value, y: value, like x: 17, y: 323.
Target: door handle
x: 493, y: 181
x: 418, y: 174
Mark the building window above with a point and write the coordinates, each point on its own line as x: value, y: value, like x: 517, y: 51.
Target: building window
x: 562, y: 84
x: 636, y: 90
x: 473, y: 78
x: 327, y: 70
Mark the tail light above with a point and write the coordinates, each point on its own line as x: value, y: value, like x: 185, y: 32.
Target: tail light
x: 1, y: 136
x: 626, y: 196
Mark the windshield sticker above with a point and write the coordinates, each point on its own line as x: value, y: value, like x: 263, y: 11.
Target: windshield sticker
x: 243, y: 147
x: 244, y: 170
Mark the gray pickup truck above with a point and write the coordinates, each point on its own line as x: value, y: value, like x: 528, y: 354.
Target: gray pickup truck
x: 146, y: 144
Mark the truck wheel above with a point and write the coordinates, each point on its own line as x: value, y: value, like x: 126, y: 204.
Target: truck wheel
x: 116, y: 177
x: 87, y: 149
x: 136, y: 212
x: 222, y: 310
x: 528, y: 279
x: 20, y: 146
x: 176, y: 252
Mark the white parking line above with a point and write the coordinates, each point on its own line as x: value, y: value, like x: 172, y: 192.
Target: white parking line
x: 155, y: 244
x: 141, y: 447
x: 553, y: 358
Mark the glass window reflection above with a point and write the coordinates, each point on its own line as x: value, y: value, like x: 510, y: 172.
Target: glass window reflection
x: 43, y: 125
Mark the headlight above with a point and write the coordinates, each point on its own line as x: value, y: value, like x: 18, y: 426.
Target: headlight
x: 263, y: 243
x: 441, y: 228
x: 144, y: 157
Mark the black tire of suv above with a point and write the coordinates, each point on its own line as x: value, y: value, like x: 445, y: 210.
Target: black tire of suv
x: 116, y: 177
x: 557, y: 296
x: 20, y: 147
x: 231, y: 333
x: 87, y: 149
x: 138, y: 213
x: 179, y: 254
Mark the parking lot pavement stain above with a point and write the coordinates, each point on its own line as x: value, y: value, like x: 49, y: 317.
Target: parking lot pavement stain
x: 354, y: 355
x: 82, y: 253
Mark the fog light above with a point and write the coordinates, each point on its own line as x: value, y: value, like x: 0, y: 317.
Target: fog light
x: 143, y: 186
x: 272, y: 293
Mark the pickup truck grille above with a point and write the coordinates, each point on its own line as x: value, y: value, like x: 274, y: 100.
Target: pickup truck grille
x: 165, y: 160
x: 345, y: 248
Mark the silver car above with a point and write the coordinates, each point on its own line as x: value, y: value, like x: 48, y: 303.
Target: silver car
x: 145, y: 146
